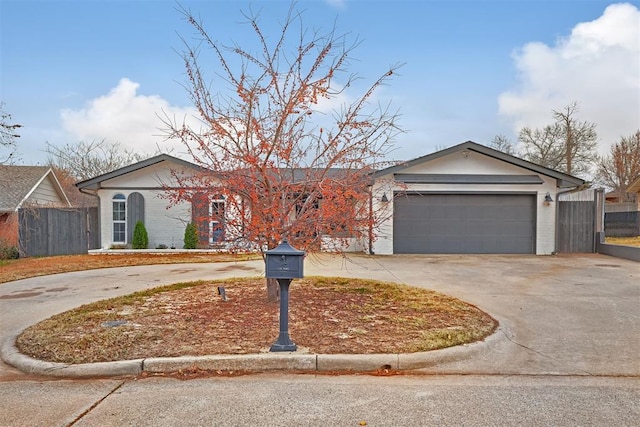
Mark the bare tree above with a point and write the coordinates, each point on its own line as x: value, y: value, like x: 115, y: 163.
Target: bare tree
x: 567, y: 145
x: 286, y: 164
x: 502, y: 143
x: 621, y: 166
x: 85, y: 160
x: 8, y: 136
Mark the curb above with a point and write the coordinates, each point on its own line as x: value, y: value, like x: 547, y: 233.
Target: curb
x: 286, y: 361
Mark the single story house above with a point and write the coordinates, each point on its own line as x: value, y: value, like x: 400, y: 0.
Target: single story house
x: 468, y: 199
x: 23, y: 187
x: 465, y: 199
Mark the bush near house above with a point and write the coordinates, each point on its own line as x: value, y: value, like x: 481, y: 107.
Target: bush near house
x: 8, y: 251
x: 140, y: 237
x: 190, y: 236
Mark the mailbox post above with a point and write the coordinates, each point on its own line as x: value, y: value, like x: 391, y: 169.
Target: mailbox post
x: 284, y: 263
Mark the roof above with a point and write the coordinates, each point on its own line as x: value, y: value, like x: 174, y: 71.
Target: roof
x: 17, y: 183
x: 297, y: 174
x: 563, y: 179
x: 634, y: 187
x: 94, y: 183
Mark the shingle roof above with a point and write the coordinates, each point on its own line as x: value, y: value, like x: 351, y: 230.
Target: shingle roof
x: 17, y: 182
x: 94, y: 183
x: 634, y: 187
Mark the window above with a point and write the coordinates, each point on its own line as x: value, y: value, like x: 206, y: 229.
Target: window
x: 216, y: 225
x: 119, y: 204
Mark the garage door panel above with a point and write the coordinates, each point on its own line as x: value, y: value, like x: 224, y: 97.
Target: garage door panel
x: 464, y: 223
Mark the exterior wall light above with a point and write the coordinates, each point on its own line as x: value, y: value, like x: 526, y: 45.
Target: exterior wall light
x: 547, y: 199
x: 384, y: 198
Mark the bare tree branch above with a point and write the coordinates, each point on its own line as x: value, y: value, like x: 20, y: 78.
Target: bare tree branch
x: 621, y: 166
x: 88, y: 159
x: 8, y: 136
x: 568, y: 145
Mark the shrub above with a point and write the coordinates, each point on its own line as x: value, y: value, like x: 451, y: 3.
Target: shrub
x: 190, y: 236
x: 140, y: 237
x: 9, y: 252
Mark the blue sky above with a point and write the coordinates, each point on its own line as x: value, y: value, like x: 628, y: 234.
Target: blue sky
x: 92, y: 69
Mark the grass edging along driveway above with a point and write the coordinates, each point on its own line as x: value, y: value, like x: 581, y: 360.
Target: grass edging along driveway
x: 327, y: 316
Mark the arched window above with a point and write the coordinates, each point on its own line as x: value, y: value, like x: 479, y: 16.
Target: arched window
x: 119, y: 205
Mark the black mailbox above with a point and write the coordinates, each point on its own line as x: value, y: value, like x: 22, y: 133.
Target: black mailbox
x: 284, y: 262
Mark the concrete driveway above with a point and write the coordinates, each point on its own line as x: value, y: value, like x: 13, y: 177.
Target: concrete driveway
x: 568, y: 352
x: 570, y: 315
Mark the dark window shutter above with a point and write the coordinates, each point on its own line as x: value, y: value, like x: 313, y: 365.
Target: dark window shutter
x: 200, y: 217
x: 135, y: 213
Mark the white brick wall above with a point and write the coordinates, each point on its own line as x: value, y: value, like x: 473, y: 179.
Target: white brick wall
x: 164, y: 225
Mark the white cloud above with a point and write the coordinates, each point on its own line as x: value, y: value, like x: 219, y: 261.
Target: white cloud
x: 126, y: 117
x: 598, y: 66
x: 338, y: 4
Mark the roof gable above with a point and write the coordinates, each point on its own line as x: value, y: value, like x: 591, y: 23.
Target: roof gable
x: 634, y: 187
x: 563, y: 180
x: 94, y: 183
x: 18, y: 183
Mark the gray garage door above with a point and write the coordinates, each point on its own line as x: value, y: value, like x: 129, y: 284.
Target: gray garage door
x: 464, y: 224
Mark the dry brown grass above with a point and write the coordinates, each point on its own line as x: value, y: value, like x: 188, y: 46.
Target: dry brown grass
x: 327, y: 315
x: 31, y: 267
x: 626, y: 241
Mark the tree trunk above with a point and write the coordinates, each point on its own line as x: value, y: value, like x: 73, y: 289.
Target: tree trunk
x: 273, y: 290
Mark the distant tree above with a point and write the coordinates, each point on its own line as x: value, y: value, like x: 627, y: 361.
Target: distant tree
x: 140, y: 236
x: 8, y: 136
x: 88, y: 159
x: 621, y: 166
x: 567, y: 145
x: 502, y: 143
x: 75, y: 196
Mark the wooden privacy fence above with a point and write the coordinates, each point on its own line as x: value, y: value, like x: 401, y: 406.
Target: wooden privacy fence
x: 579, y: 218
x: 54, y: 231
x: 622, y: 224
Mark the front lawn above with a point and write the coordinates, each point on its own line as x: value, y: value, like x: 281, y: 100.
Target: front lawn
x: 327, y: 315
x: 626, y: 241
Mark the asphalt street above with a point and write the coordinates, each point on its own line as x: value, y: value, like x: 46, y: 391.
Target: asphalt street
x: 568, y: 353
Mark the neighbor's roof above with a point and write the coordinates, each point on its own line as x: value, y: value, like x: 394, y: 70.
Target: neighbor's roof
x: 563, y: 179
x: 94, y: 183
x: 17, y: 183
x: 634, y: 187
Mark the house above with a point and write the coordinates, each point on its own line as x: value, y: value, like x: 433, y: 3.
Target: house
x: 465, y: 199
x: 138, y: 193
x: 23, y: 187
x: 468, y: 199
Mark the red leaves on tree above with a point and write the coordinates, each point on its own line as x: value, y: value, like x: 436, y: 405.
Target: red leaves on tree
x: 279, y: 173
